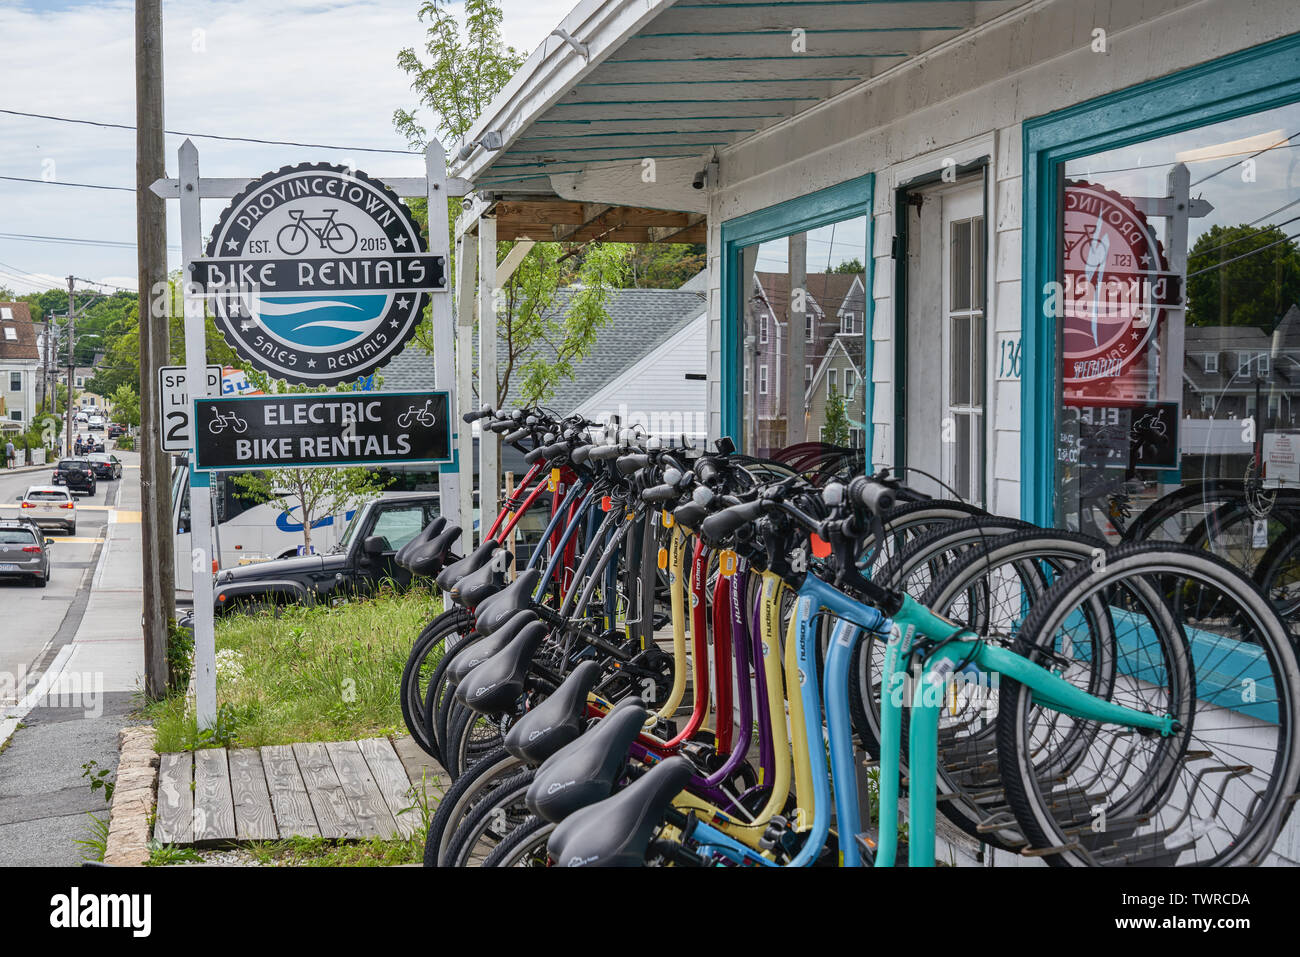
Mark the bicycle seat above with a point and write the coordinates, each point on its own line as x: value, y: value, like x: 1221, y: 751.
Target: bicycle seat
x: 482, y: 582
x: 584, y: 771
x: 495, y: 610
x: 484, y: 648
x: 556, y: 721
x: 424, y: 535
x: 471, y: 562
x: 493, y: 686
x: 616, y: 832
x: 428, y: 558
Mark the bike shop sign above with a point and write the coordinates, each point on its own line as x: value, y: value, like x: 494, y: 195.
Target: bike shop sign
x: 322, y: 429
x: 318, y: 274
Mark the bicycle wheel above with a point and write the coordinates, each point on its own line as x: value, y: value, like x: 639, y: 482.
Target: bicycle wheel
x: 440, y: 693
x: 1214, y: 792
x: 1278, y: 577
x: 990, y: 592
x: 928, y: 555
x: 490, y: 822
x: 461, y: 798
x: 292, y: 239
x: 430, y: 649
x: 525, y: 846
x: 471, y: 736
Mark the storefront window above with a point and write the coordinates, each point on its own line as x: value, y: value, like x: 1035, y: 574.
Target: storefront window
x: 1178, y: 297
x: 804, y: 337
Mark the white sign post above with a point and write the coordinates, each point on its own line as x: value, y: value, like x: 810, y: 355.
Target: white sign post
x: 189, y: 188
x: 175, y: 408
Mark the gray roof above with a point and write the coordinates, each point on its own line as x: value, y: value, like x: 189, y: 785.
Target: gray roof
x: 640, y: 321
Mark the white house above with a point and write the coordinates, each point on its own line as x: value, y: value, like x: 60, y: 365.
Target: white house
x: 19, y: 365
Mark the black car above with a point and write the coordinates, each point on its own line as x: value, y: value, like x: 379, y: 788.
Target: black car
x: 24, y: 552
x: 107, y: 467
x: 115, y: 429
x: 77, y: 474
x: 362, y: 559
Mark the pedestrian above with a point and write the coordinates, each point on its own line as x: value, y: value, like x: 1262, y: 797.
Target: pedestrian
x: 10, y: 454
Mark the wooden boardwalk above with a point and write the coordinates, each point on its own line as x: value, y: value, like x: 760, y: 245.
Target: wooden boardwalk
x: 346, y: 790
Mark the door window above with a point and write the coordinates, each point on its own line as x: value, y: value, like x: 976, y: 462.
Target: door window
x: 397, y: 526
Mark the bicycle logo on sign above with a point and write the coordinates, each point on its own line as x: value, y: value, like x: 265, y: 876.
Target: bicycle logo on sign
x: 424, y: 416
x: 220, y: 421
x: 293, y: 238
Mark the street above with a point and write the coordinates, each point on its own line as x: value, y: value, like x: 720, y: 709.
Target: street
x: 39, y: 615
x: 70, y: 666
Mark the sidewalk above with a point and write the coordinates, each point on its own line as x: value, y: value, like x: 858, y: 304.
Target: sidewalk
x: 78, y: 709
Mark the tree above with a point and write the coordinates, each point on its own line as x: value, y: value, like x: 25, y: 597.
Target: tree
x: 460, y: 72
x: 126, y: 405
x: 836, y: 429
x: 1242, y: 276
x: 315, y: 492
x: 851, y: 267
x: 664, y: 265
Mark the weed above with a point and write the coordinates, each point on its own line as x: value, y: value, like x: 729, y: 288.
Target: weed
x: 100, y: 778
x: 162, y: 855
x: 96, y: 843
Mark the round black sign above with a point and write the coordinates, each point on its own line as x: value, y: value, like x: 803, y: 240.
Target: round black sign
x: 317, y: 274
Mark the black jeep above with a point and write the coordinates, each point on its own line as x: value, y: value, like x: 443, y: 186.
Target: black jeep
x: 77, y: 474
x: 362, y: 559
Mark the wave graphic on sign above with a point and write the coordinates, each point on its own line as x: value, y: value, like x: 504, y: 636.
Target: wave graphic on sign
x: 314, y: 323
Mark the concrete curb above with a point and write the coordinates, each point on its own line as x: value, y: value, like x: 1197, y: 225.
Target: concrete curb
x: 133, y: 798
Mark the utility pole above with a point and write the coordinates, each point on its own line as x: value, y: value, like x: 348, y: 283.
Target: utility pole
x: 155, y: 346
x: 72, y: 359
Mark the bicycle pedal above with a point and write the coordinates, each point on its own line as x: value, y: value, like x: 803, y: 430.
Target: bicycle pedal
x: 777, y: 828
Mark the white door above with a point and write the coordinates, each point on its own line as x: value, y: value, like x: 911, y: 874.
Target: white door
x: 964, y: 346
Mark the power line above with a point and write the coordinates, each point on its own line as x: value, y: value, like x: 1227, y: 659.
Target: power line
x: 59, y: 182
x: 1220, y: 265
x: 214, y: 136
x: 69, y: 240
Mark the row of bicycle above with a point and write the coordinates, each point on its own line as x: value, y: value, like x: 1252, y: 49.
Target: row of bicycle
x: 710, y: 659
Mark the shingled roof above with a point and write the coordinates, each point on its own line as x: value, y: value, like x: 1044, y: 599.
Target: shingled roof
x: 640, y: 321
x: 17, y: 317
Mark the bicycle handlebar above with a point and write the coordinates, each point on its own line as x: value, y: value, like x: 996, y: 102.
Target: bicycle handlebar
x: 482, y: 413
x: 579, y: 455
x: 516, y: 436
x: 603, y: 453
x: 721, y: 524
x: 627, y: 464
x: 660, y: 494
x: 874, y: 496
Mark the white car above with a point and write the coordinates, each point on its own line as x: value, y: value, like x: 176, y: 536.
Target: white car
x: 95, y: 423
x: 50, y: 506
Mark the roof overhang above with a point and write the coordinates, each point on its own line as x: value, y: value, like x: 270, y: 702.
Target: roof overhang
x: 621, y: 83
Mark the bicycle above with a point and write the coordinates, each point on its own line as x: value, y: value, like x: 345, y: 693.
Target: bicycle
x: 423, y: 415
x: 221, y: 420
x: 293, y: 238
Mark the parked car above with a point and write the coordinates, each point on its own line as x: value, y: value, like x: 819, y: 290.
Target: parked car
x: 106, y: 466
x: 24, y: 552
x: 361, y: 559
x: 76, y: 474
x: 49, y: 506
x: 115, y: 429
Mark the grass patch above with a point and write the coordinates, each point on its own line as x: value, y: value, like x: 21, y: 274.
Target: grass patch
x: 96, y: 841
x: 307, y: 674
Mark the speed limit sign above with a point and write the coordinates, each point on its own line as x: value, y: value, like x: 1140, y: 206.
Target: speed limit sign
x: 175, y: 408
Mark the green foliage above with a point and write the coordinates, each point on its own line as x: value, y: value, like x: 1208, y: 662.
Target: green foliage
x: 664, y: 265
x: 125, y: 443
x: 96, y: 843
x: 1253, y: 290
x: 224, y: 730
x: 162, y: 855
x: 180, y: 651
x: 836, y: 429
x: 126, y: 405
x: 100, y: 778
x: 463, y: 68
x: 299, y: 668
x: 850, y: 267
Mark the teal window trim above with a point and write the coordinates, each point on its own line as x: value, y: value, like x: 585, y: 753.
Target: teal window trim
x: 845, y: 200
x: 1250, y: 81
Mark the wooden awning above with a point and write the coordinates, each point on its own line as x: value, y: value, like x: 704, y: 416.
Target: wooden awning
x: 551, y: 221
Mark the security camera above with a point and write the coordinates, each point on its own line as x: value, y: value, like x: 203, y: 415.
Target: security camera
x: 700, y: 179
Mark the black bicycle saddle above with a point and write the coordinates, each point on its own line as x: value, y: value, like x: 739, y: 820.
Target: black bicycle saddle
x: 471, y: 562
x: 482, y: 582
x: 584, y: 771
x: 616, y: 832
x: 495, y: 610
x: 425, y: 534
x: 493, y: 686
x: 485, y: 647
x: 556, y: 721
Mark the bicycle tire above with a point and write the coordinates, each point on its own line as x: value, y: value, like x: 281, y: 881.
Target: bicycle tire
x: 441, y: 692
x: 506, y: 800
x: 1053, y: 826
x: 411, y: 696
x: 525, y: 846
x: 467, y: 743
x: 461, y: 798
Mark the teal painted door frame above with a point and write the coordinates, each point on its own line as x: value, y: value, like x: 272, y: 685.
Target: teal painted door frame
x: 1253, y: 80
x: 845, y: 200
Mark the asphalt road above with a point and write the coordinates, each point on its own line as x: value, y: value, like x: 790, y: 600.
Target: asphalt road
x: 32, y: 617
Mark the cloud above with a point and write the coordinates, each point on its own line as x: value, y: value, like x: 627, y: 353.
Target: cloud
x: 318, y: 71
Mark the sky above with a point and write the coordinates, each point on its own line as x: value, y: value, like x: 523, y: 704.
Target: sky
x: 315, y: 71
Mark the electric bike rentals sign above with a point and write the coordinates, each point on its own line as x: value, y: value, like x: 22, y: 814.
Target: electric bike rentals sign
x: 318, y: 274
x: 322, y: 429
